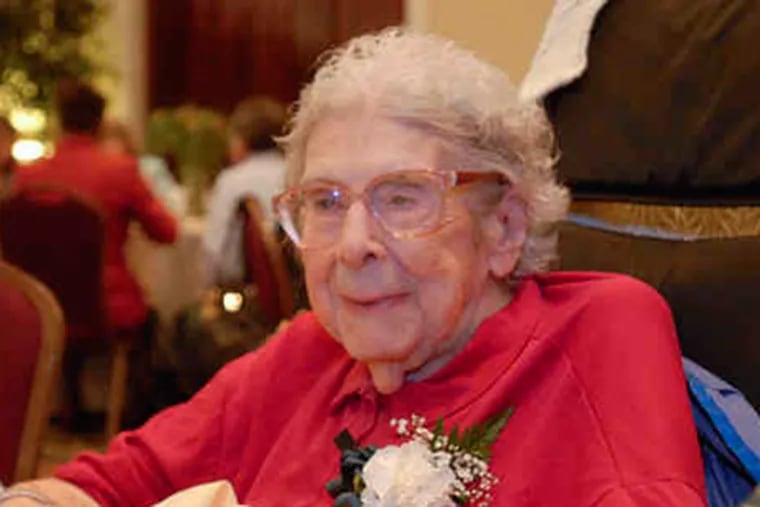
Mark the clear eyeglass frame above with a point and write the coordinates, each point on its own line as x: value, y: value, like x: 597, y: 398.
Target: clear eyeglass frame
x: 286, y: 204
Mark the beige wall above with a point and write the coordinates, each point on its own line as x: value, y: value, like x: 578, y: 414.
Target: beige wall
x: 124, y: 40
x: 504, y: 32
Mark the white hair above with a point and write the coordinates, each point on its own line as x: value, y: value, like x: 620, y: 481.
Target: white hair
x: 432, y: 84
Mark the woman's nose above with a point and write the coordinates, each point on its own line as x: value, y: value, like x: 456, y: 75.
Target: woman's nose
x: 359, y: 240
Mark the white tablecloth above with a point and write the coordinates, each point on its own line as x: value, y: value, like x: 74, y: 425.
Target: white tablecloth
x: 172, y: 276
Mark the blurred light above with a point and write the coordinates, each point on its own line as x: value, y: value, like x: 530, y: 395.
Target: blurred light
x: 28, y: 121
x: 27, y: 150
x: 232, y: 302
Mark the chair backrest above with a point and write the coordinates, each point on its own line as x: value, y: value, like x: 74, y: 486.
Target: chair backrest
x: 712, y: 286
x: 625, y: 134
x: 31, y: 341
x: 57, y: 235
x: 265, y: 263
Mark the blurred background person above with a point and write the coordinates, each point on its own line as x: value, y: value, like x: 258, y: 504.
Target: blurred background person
x: 257, y: 169
x: 7, y: 164
x: 116, y: 138
x: 114, y: 183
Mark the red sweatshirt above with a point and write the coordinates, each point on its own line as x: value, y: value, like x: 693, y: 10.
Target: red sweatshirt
x: 589, y: 362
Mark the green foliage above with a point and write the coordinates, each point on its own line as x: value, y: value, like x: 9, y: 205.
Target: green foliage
x: 477, y: 439
x: 42, y: 42
x: 194, y: 137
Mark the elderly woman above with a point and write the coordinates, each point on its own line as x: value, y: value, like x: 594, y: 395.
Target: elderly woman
x: 423, y: 201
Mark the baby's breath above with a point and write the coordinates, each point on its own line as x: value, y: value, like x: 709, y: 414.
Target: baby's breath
x: 466, y: 453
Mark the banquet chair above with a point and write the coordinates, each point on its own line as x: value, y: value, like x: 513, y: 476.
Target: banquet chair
x: 57, y: 235
x: 265, y: 264
x: 31, y: 341
x: 711, y: 285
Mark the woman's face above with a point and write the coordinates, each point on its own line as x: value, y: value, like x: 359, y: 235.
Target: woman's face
x: 401, y: 306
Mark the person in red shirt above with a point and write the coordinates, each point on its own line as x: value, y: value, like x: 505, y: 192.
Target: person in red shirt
x: 115, y: 185
x: 114, y: 182
x: 422, y: 197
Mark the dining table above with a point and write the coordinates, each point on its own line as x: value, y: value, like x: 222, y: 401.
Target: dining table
x: 172, y: 276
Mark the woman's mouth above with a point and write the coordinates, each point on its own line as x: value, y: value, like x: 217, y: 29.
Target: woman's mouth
x: 375, y: 302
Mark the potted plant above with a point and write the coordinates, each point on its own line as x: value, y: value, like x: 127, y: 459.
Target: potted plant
x: 193, y: 139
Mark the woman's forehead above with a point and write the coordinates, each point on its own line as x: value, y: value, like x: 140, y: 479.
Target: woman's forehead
x: 356, y: 148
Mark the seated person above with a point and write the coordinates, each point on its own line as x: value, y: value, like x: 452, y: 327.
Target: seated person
x: 115, y: 138
x: 422, y: 197
x: 113, y: 182
x: 257, y: 169
x: 7, y: 164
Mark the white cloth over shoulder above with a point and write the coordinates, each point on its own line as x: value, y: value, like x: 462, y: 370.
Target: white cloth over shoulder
x: 261, y: 175
x: 562, y: 53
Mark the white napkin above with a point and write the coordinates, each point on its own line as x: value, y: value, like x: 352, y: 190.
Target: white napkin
x: 212, y: 494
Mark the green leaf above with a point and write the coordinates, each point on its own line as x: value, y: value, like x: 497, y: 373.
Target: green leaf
x: 438, y: 432
x: 494, y: 426
x: 454, y: 437
x: 194, y: 137
x: 46, y: 40
x: 359, y: 484
x: 464, y: 438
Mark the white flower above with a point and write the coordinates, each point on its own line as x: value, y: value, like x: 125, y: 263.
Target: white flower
x: 409, y: 475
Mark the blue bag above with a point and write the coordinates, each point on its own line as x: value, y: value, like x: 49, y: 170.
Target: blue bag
x: 729, y: 436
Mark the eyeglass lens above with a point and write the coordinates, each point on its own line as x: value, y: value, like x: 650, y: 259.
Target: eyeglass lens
x: 404, y: 203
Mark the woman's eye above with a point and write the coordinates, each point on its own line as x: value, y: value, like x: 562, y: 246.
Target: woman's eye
x: 400, y: 200
x: 324, y: 201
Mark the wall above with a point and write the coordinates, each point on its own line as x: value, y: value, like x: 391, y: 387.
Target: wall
x: 504, y: 32
x: 122, y: 43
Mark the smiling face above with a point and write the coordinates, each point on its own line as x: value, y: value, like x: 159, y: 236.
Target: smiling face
x: 402, y: 306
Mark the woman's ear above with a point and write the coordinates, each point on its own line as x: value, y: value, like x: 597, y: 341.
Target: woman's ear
x: 506, y: 229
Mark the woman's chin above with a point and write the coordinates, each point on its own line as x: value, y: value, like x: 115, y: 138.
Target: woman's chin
x: 387, y: 377
x: 378, y: 341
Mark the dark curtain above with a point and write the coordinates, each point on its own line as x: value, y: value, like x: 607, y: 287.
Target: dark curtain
x: 214, y: 53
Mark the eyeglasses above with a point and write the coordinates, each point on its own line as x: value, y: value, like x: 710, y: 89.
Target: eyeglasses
x: 406, y: 204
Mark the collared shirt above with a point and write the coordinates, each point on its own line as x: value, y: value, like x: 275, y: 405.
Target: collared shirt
x: 589, y: 362
x: 261, y: 175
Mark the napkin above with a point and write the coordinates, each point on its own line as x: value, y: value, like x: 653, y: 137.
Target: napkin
x: 212, y: 494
